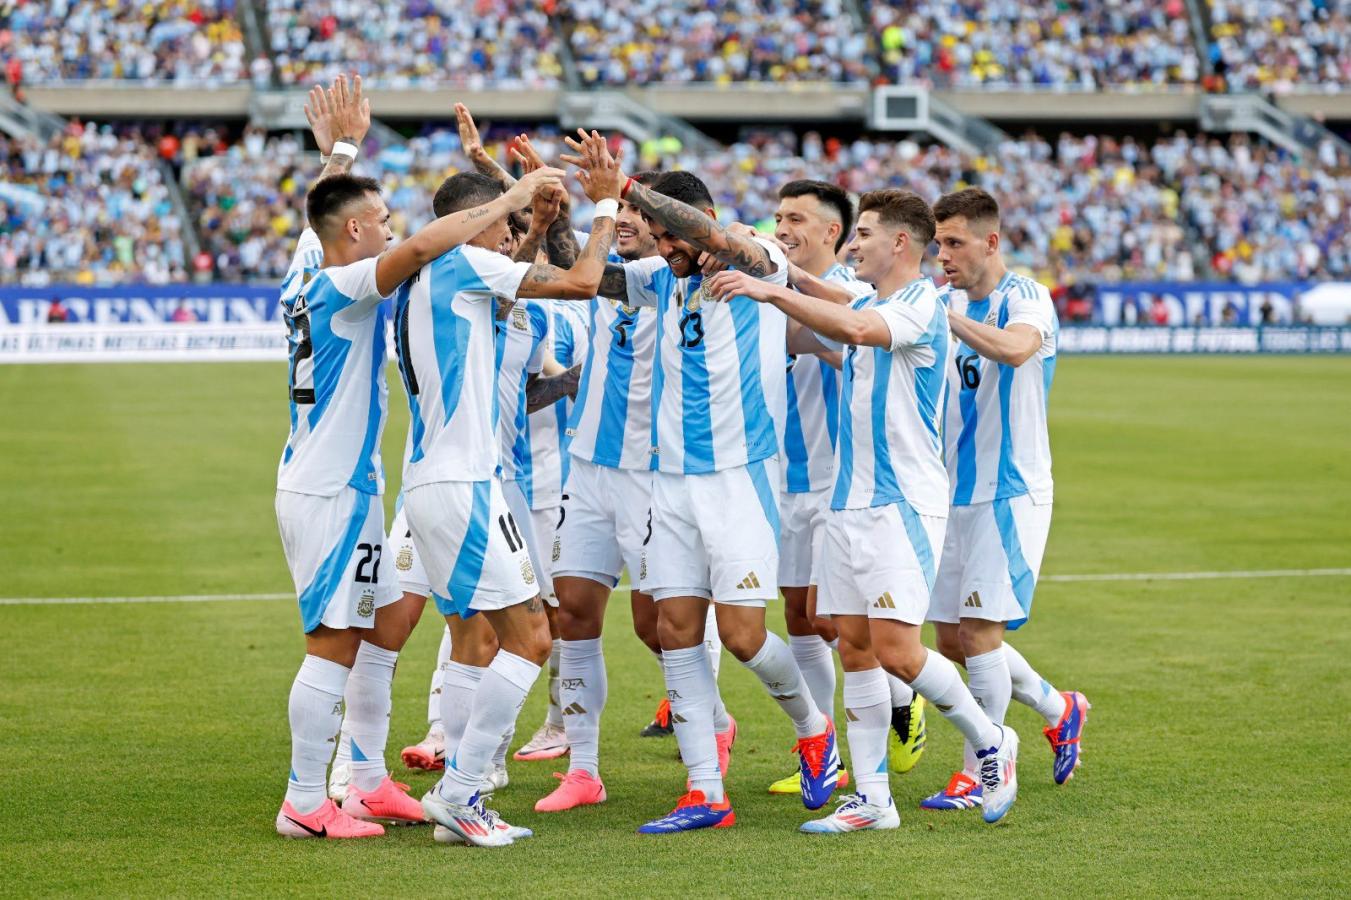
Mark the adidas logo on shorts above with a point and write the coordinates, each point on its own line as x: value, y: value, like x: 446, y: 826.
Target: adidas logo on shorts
x: 750, y: 581
x: 973, y: 601
x: 884, y: 602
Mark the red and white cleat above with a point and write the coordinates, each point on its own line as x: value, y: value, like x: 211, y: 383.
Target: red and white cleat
x: 325, y: 822
x: 428, y: 754
x: 388, y: 803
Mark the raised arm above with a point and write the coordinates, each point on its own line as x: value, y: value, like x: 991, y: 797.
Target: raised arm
x: 559, y: 242
x: 338, y: 114
x: 701, y: 230
x: 472, y: 145
x: 544, y: 390
x: 399, y: 263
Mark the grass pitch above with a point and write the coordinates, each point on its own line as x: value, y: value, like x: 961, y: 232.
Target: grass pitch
x: 144, y: 746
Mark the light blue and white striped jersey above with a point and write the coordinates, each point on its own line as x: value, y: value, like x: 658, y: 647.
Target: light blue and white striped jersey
x: 813, y: 412
x: 522, y: 341
x: 611, y: 421
x: 443, y: 328
x: 568, y: 342
x: 337, y: 375
x: 718, y: 388
x: 997, y: 445
x: 890, y: 447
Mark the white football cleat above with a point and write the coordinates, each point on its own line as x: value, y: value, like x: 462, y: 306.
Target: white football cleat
x: 549, y: 742
x: 999, y: 775
x: 856, y: 814
x: 471, y: 822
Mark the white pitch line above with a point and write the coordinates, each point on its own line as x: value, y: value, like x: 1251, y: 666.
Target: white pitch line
x: 1111, y: 576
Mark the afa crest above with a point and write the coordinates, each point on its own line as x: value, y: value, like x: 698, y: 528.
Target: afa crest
x: 527, y: 571
x: 518, y: 319
x: 366, y: 605
x: 404, y: 561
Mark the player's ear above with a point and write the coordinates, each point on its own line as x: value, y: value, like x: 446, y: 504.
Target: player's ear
x: 992, y: 243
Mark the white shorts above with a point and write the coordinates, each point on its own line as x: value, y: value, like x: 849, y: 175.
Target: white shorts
x: 715, y: 535
x: 525, y: 521
x: 991, y: 561
x: 407, y: 565
x: 603, y: 523
x: 471, y: 546
x: 802, y: 536
x: 879, y: 562
x: 544, y: 525
x: 333, y: 547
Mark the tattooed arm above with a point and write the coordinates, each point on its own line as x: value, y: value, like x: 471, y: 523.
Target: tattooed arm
x: 542, y: 391
x: 702, y: 230
x: 582, y: 280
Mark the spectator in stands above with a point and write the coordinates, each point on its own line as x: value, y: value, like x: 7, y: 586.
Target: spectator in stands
x: 1276, y: 45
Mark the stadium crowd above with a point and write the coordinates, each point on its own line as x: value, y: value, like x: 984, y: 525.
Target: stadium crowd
x: 179, y: 41
x: 1274, y: 45
x: 682, y: 41
x: 1076, y: 210
x: 90, y: 206
x: 402, y: 43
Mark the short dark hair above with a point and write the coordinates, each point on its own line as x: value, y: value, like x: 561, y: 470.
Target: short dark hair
x: 829, y: 194
x: 464, y: 190
x: 685, y: 187
x: 974, y: 204
x: 901, y: 209
x: 648, y: 178
x: 330, y: 196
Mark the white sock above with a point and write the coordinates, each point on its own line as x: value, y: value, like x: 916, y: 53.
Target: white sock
x: 987, y: 676
x: 343, y: 755
x: 555, y: 715
x: 438, y: 676
x: 713, y: 641
x: 1030, y: 689
x: 367, y: 719
x: 315, y: 712
x: 939, y: 683
x: 497, y: 702
x: 867, y: 703
x: 775, y: 668
x: 721, y: 721
x: 902, y: 694
x: 457, y: 699
x: 817, y: 665
x: 500, y: 754
x: 582, y: 692
x: 691, y: 687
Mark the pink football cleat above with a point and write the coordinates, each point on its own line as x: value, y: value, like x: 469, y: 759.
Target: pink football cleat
x: 388, y: 803
x: 325, y: 822
x: 579, y: 788
x: 428, y: 755
x: 725, y: 741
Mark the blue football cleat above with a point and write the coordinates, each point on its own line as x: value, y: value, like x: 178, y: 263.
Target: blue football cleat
x: 962, y: 792
x: 1064, y: 735
x: 820, y: 760
x: 692, y: 812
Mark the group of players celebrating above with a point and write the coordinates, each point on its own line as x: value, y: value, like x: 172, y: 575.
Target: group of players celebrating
x: 725, y: 414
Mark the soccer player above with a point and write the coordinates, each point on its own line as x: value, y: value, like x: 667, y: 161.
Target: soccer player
x: 718, y: 387
x: 471, y: 546
x: 330, y: 477
x: 999, y: 461
x: 889, y: 505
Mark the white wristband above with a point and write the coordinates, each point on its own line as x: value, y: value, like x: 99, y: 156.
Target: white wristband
x: 606, y: 209
x: 342, y: 148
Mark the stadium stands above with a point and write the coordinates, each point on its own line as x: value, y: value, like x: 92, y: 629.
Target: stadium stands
x: 680, y: 41
x: 1276, y: 45
x: 400, y: 43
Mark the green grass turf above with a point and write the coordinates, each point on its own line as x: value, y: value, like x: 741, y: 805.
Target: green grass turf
x: 143, y: 747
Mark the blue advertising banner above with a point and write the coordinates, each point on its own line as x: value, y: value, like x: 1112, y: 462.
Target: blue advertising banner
x: 1219, y: 303
x: 141, y: 304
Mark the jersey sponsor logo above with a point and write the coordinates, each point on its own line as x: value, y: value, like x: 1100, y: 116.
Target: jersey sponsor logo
x: 749, y: 582
x: 366, y: 605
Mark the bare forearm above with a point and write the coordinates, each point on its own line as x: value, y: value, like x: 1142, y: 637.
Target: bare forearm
x: 830, y: 320
x: 1011, y: 346
x: 560, y: 243
x: 697, y: 228
x: 812, y: 286
x: 339, y: 164
x: 580, y: 282
x: 486, y: 165
x: 529, y: 248
x: 543, y: 391
x: 398, y: 264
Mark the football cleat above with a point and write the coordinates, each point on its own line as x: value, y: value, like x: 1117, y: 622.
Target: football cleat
x: 389, y: 804
x: 578, y: 788
x: 962, y: 792
x: 820, y: 762
x: 428, y: 754
x: 443, y: 835
x: 792, y: 784
x: 999, y: 775
x: 661, y: 725
x: 1064, y: 735
x: 471, y: 822
x: 725, y: 740
x: 339, y: 781
x: 856, y: 814
x: 549, y: 742
x: 905, y: 744
x: 325, y: 822
x: 693, y: 811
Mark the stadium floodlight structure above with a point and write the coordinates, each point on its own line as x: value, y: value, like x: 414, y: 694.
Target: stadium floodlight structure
x: 915, y: 108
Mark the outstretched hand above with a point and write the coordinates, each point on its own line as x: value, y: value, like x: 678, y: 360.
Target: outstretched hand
x: 470, y: 141
x: 545, y: 206
x: 522, y: 193
x: 730, y: 284
x: 600, y: 173
x: 319, y: 113
x: 339, y: 113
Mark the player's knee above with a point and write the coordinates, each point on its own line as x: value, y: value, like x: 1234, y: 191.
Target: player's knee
x: 797, y: 622
x: 825, y: 628
x: 743, y: 643
x: 905, y: 662
x: 673, y: 635
x: 950, y: 645
x: 578, y: 623
x: 977, y: 637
